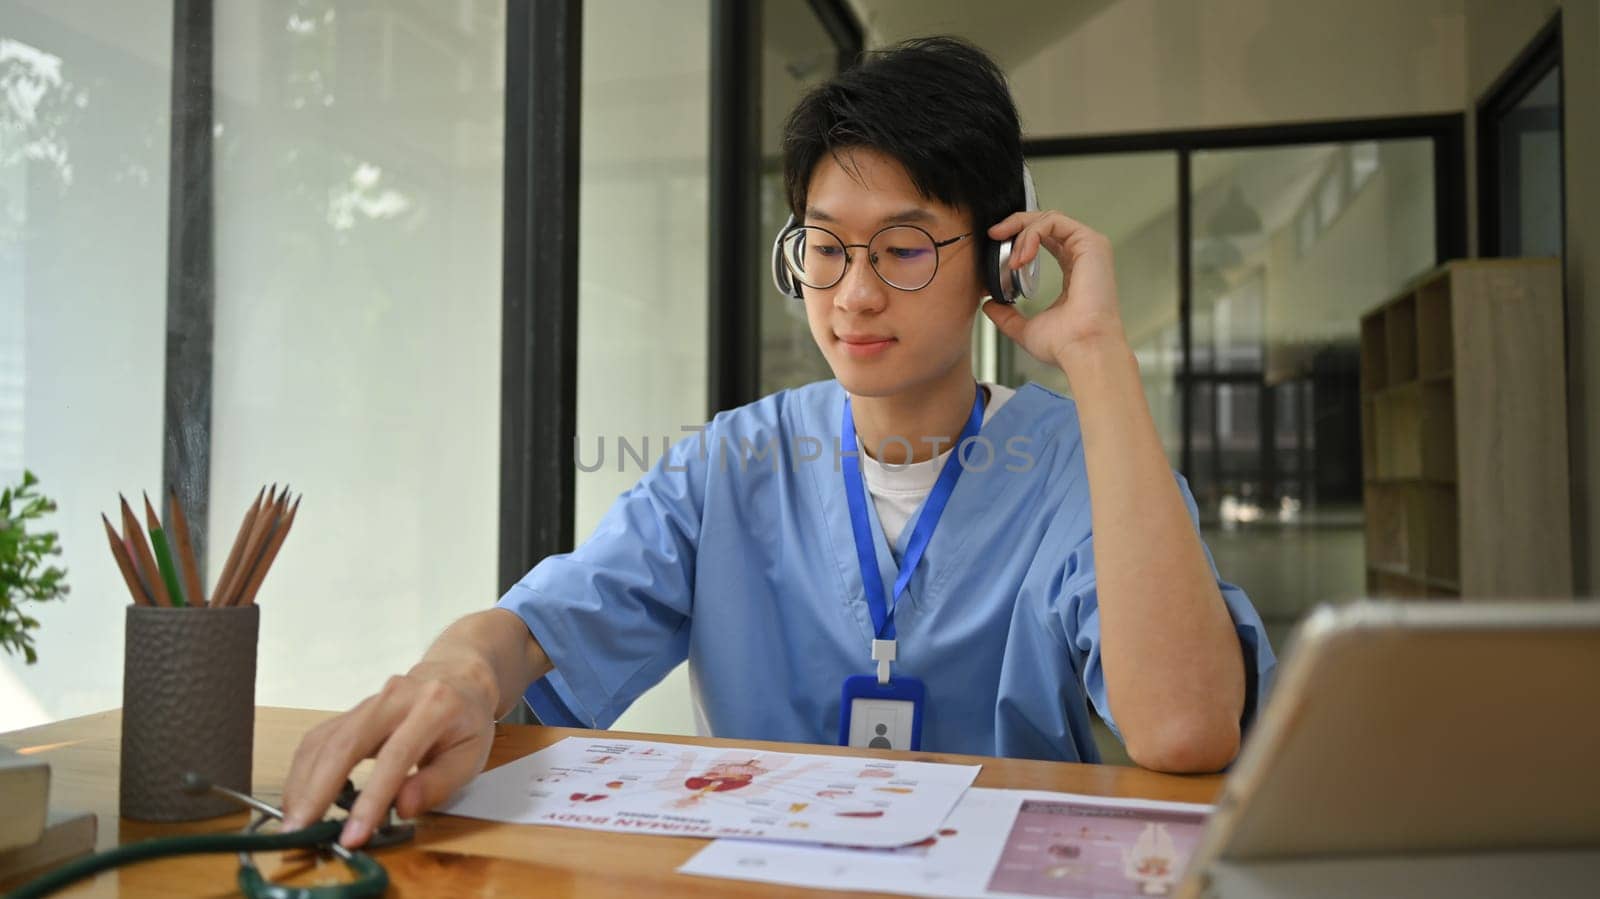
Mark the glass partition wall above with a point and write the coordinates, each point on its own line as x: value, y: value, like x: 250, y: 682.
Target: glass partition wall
x: 1243, y: 272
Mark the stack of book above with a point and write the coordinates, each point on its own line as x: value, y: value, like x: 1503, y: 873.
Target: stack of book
x: 33, y: 838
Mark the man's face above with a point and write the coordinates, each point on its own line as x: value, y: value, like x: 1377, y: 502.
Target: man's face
x: 878, y: 340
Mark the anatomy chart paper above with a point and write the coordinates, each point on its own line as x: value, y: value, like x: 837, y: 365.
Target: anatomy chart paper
x: 700, y: 791
x: 997, y: 843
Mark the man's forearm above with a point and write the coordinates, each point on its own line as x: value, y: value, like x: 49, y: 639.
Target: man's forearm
x: 490, y: 653
x: 1173, y: 667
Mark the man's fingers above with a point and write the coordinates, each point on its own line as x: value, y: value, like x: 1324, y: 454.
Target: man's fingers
x: 434, y: 736
x: 1057, y: 225
x: 1010, y: 225
x: 1064, y: 238
x: 410, y: 720
x: 299, y: 808
x: 1006, y: 319
x: 1023, y: 248
x: 441, y: 776
x: 294, y: 816
x: 424, y: 727
x: 358, y: 735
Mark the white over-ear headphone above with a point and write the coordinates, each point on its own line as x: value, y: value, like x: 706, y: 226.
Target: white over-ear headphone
x: 1004, y: 285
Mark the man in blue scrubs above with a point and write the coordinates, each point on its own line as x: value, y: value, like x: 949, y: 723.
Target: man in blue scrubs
x: 831, y: 533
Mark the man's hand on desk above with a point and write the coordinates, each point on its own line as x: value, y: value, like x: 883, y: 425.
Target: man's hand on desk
x: 435, y: 718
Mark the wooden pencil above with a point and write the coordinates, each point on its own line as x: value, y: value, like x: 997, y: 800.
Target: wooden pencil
x: 269, y: 523
x: 127, y: 547
x: 218, y: 593
x: 279, y: 534
x: 141, y: 552
x: 179, y: 534
x: 125, y: 565
x: 265, y: 517
x: 271, y: 517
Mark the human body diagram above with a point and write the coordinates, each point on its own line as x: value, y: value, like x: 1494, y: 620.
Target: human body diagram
x: 639, y: 785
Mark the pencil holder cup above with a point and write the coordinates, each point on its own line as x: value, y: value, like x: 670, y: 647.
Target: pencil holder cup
x: 188, y: 704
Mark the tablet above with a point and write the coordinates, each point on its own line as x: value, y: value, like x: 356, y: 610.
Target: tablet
x: 1405, y: 728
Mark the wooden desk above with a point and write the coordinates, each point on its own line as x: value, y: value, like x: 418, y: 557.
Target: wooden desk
x: 465, y: 857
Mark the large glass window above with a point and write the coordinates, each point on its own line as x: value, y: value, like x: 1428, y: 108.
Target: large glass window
x: 796, y: 55
x: 358, y: 233
x: 1290, y: 246
x: 84, y: 124
x: 1131, y: 198
x: 642, y: 264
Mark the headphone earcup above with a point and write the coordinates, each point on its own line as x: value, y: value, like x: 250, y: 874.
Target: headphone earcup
x: 993, y: 278
x: 781, y: 277
x: 1005, y: 284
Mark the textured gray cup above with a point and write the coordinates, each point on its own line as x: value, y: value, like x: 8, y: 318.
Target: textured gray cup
x: 188, y: 704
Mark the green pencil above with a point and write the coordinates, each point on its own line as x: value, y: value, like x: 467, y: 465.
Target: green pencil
x: 169, y: 571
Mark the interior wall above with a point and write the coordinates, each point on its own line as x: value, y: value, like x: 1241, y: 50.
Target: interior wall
x: 1154, y: 65
x: 1146, y: 65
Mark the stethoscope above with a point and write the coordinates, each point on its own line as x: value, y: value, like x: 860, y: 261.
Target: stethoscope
x: 370, y: 877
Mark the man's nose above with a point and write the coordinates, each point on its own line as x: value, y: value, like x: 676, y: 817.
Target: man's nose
x: 861, y: 290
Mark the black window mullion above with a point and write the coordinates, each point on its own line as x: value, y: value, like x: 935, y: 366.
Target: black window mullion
x: 1267, y: 424
x: 1450, y: 191
x: 539, y: 323
x: 1185, y: 314
x: 733, y: 322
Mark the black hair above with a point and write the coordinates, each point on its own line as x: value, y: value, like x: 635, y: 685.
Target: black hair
x: 937, y: 105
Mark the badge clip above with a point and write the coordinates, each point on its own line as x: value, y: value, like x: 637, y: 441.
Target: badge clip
x: 883, y: 654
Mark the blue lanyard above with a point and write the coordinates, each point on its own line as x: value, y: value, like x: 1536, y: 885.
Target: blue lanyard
x: 928, y: 519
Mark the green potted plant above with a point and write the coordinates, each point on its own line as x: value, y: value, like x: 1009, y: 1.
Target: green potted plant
x: 25, y: 575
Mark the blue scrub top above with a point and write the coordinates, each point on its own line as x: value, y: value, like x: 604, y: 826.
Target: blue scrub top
x: 735, y: 552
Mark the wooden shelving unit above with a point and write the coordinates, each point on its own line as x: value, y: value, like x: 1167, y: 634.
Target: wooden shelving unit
x: 1464, y: 434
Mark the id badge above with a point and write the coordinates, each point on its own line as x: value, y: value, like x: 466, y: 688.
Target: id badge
x: 875, y: 715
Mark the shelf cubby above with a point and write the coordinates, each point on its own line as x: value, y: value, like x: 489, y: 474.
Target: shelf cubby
x: 1398, y: 422
x: 1435, y: 351
x: 1436, y: 430
x: 1440, y: 535
x: 1374, y: 353
x: 1400, y: 336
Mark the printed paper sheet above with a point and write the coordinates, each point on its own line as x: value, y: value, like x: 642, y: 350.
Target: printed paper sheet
x: 997, y: 843
x: 667, y: 788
